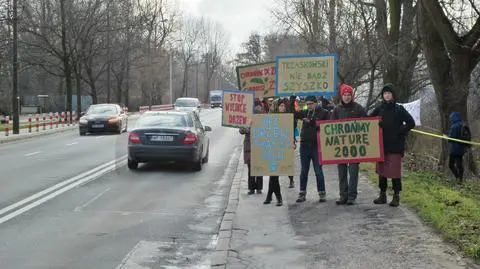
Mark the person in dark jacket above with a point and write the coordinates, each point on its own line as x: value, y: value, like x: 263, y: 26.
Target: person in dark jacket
x: 456, y: 149
x: 273, y: 182
x: 396, y: 123
x: 347, y: 109
x: 255, y: 183
x: 308, y: 147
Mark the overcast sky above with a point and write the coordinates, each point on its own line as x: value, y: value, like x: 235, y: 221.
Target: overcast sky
x: 238, y: 17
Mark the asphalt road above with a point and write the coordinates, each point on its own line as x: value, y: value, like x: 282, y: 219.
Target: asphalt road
x: 157, y: 217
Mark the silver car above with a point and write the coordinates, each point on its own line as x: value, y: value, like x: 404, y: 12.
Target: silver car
x: 187, y: 104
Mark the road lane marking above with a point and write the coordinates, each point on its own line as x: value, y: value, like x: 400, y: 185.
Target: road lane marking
x: 50, y: 196
x: 32, y: 153
x: 74, y: 180
x: 71, y: 144
x: 80, y: 208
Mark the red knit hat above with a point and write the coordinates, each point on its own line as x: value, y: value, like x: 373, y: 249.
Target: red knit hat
x: 346, y: 89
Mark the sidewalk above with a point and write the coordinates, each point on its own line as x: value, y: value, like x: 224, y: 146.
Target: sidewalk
x: 324, y: 235
x: 24, y: 134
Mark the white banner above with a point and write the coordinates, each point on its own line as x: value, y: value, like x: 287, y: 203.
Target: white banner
x: 414, y: 109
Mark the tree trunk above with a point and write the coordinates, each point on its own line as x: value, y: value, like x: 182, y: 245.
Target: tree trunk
x: 450, y: 73
x: 79, y: 95
x: 67, y: 69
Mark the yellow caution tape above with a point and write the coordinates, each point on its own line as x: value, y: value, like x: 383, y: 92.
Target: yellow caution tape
x: 446, y: 137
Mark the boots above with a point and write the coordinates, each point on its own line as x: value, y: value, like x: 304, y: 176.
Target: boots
x: 301, y: 197
x: 382, y: 198
x: 395, y: 200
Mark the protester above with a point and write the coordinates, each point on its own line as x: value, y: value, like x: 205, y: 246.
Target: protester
x: 347, y: 109
x: 396, y: 123
x: 458, y: 130
x: 255, y: 183
x: 273, y: 183
x: 308, y: 147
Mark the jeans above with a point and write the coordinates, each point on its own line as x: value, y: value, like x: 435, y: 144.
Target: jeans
x: 309, y: 153
x: 348, y: 187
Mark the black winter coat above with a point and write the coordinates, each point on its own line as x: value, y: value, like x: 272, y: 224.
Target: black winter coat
x: 308, y: 135
x: 396, y: 123
x: 347, y: 111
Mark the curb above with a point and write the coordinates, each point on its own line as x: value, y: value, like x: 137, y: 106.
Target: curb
x: 222, y: 249
x: 15, y: 138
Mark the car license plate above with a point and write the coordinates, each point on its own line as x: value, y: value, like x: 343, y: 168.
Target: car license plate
x: 161, y: 138
x: 98, y: 125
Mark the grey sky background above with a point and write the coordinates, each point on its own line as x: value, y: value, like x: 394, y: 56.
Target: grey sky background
x: 238, y: 17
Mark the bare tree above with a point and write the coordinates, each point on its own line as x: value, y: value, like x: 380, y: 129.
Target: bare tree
x: 451, y: 58
x: 214, y: 50
x: 190, y: 44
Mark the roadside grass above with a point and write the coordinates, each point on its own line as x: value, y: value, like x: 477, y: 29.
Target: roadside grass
x: 452, y: 210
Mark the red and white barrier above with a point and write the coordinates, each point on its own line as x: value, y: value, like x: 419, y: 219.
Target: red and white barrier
x: 29, y: 123
x: 161, y: 107
x: 44, y: 121
x: 50, y: 115
x: 143, y: 109
x: 7, y: 122
x: 37, y: 122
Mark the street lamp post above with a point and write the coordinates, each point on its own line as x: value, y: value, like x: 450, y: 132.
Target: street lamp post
x: 171, y: 78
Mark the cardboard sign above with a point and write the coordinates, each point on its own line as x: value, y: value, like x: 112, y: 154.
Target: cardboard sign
x: 350, y: 141
x: 237, y: 108
x: 271, y: 138
x: 259, y: 78
x: 305, y: 75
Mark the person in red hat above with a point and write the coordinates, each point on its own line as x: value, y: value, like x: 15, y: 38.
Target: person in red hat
x: 347, y: 109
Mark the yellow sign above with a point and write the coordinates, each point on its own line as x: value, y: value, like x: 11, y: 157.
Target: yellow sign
x: 306, y: 75
x: 350, y: 141
x: 259, y: 78
x: 271, y: 138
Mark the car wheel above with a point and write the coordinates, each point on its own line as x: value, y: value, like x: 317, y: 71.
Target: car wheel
x: 132, y: 164
x: 205, y: 159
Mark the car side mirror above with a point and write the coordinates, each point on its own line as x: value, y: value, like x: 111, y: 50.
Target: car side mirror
x: 82, y: 114
x: 208, y: 128
x: 198, y: 106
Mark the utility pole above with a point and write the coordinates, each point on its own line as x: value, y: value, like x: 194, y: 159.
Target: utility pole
x: 15, y: 97
x: 171, y: 77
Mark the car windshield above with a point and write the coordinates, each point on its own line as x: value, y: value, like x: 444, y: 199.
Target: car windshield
x: 165, y: 120
x: 216, y: 98
x: 186, y: 103
x: 104, y: 110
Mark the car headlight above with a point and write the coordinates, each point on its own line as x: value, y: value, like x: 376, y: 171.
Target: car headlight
x: 83, y: 121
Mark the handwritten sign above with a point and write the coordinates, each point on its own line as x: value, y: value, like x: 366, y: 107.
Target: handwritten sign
x: 237, y: 108
x: 271, y: 138
x: 306, y: 75
x: 350, y: 141
x: 259, y: 78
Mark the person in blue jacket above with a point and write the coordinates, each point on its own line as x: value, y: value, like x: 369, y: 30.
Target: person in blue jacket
x: 457, y: 149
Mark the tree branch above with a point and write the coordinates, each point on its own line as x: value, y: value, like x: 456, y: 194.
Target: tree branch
x: 442, y: 24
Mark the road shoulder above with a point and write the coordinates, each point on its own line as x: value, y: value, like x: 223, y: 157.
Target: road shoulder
x: 324, y: 235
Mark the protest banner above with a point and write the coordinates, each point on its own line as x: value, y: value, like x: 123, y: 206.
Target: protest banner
x: 414, y: 109
x: 237, y: 108
x: 271, y: 141
x: 259, y: 78
x: 350, y: 141
x: 303, y: 75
